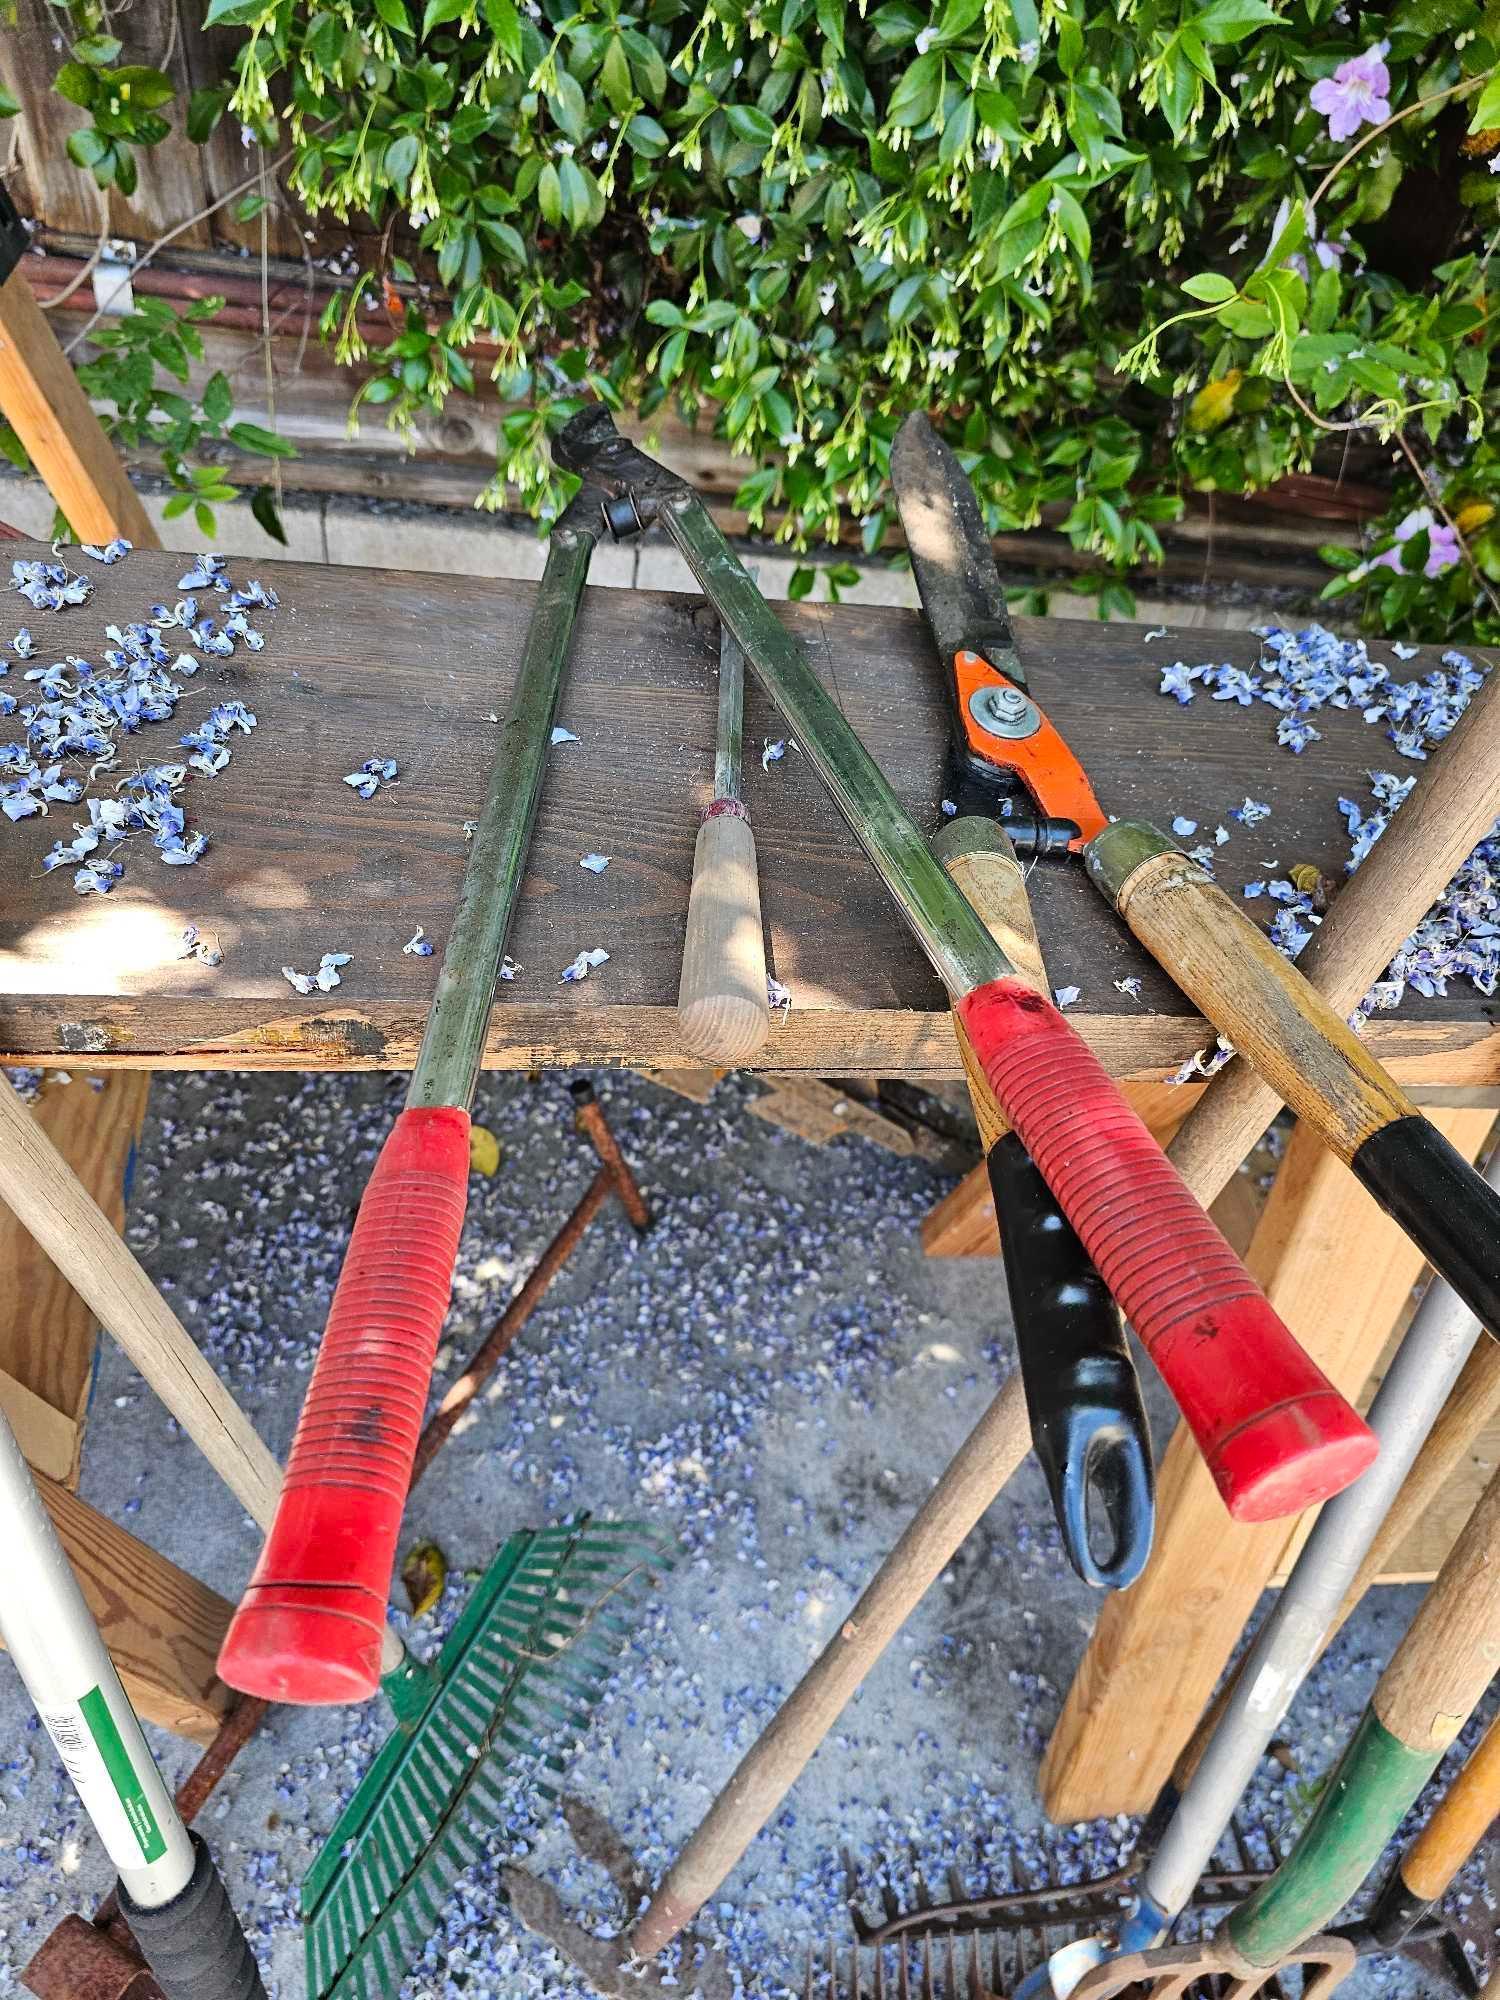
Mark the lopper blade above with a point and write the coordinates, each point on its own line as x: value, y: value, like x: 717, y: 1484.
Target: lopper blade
x: 951, y: 556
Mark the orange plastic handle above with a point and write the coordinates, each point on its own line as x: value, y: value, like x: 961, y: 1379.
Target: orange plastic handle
x: 1042, y: 761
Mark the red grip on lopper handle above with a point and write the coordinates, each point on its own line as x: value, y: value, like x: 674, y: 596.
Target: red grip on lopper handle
x: 310, y: 1625
x: 1276, y: 1434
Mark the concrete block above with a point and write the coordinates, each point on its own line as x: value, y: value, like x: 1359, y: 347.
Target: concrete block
x: 462, y: 545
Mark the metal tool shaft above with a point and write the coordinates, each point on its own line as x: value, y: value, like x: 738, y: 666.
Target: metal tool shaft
x: 448, y: 1062
x: 961, y: 950
x: 731, y: 727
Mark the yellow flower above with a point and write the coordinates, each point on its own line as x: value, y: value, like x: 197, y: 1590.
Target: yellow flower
x: 1473, y: 514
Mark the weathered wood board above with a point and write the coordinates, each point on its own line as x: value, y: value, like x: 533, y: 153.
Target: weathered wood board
x: 415, y: 667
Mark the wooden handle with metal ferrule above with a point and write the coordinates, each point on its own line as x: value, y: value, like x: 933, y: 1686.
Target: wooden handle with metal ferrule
x: 1088, y: 1423
x: 1460, y: 1820
x: 1436, y: 1675
x: 722, y: 1008
x: 1290, y: 1034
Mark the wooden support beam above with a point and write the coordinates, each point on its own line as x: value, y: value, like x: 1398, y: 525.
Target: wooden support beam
x: 1339, y: 1271
x: 48, y: 1336
x: 45, y: 404
x: 162, y: 1627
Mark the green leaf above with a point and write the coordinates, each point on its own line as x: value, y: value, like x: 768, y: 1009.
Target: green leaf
x: 249, y: 206
x: 438, y: 12
x: 662, y: 312
x: 1211, y: 287
x: 614, y: 74
x: 549, y: 194
x: 205, y: 109
x: 8, y: 109
x: 1249, y: 321
x: 1487, y: 110
x: 566, y: 103
x: 958, y: 131
x: 830, y: 14
x: 905, y: 299
x: 252, y: 437
x: 86, y: 148
x: 236, y: 13
x: 97, y: 50
x: 264, y: 510
x: 79, y: 84
x: 750, y: 123
x: 400, y: 158
x: 801, y: 583
x: 505, y: 26
x: 916, y: 96
x: 1069, y: 45
x: 217, y: 400
x: 394, y: 14
x: 1073, y: 223
x: 644, y: 136
x: 140, y: 87
x: 1232, y: 20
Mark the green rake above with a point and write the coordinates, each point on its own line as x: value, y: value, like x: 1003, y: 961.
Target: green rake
x: 525, y: 1663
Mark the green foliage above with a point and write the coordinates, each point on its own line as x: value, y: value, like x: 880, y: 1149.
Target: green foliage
x: 135, y: 351
x: 1108, y: 242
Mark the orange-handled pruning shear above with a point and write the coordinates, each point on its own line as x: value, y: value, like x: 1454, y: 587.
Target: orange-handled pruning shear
x: 1006, y: 760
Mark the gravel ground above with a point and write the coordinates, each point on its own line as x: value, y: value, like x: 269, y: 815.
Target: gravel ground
x: 773, y: 1377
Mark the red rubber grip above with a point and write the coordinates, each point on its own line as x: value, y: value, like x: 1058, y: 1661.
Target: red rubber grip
x: 1275, y: 1432
x: 310, y: 1625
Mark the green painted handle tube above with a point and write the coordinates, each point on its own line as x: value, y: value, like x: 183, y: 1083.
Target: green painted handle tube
x: 1376, y: 1782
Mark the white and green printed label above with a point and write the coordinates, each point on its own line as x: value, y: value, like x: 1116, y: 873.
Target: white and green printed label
x: 89, y: 1742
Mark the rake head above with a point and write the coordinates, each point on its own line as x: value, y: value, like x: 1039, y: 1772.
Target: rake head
x: 1174, y: 1971
x: 522, y: 1667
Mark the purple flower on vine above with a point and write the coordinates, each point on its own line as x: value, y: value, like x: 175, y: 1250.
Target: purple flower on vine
x: 1358, y: 93
x: 1442, y: 544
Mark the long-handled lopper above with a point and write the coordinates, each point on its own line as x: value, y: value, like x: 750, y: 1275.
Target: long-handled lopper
x: 169, y: 1887
x: 528, y: 1655
x: 1088, y: 1423
x: 1083, y: 1399
x: 1275, y: 1432
x: 1434, y: 1679
x: 311, y: 1625
x: 1007, y: 751
x: 723, y: 1010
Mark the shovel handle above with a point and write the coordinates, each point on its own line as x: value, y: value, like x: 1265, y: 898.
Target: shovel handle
x: 310, y: 1625
x: 1275, y: 1432
x: 1289, y: 1034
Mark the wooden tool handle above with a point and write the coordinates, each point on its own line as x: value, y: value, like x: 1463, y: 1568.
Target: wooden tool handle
x: 1436, y: 1675
x: 1454, y: 804
x: 1460, y: 1820
x: 1288, y: 1032
x: 52, y: 1203
x: 722, y: 1008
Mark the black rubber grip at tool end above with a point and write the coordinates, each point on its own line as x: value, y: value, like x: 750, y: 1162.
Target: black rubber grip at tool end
x: 1445, y: 1206
x: 1088, y: 1423
x: 194, y: 1945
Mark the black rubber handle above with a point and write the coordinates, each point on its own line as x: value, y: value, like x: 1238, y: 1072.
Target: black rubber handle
x: 1088, y: 1424
x: 194, y: 1945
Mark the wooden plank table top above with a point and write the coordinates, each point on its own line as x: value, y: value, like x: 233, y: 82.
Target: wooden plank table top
x: 360, y: 664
